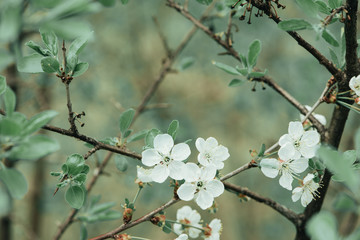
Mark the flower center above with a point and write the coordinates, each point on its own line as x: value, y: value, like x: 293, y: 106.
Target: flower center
x: 199, y: 184
x: 297, y: 143
x: 166, y: 160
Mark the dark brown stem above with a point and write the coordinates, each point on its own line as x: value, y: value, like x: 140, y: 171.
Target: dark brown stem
x: 91, y: 152
x: 329, y: 18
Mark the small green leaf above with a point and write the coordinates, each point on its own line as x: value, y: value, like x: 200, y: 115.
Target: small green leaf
x: 226, y: 68
x: 30, y: 64
x: 334, y: 57
x: 254, y: 51
x: 205, y: 2
x: 127, y: 133
x: 78, y: 44
x: 294, y: 25
x: 9, y: 101
x: 37, y: 48
x: 309, y: 7
x: 243, y: 71
x: 121, y: 163
x: 126, y: 119
x: 37, y: 121
x: 262, y: 150
x: 14, y: 181
x: 335, y: 3
x: 137, y: 136
x: 124, y: 1
x: 10, y: 21
x: 167, y: 227
x: 323, y: 8
x: 149, y: 139
x: 83, y: 232
x: 109, y: 215
x: 50, y: 40
x: 9, y: 128
x: 75, y: 196
x: 34, y: 148
x: 75, y: 164
x: 243, y: 60
x: 71, y: 63
x: 80, y: 178
x: 2, y: 84
x: 186, y: 63
x: 102, y: 207
x: 107, y: 3
x: 329, y: 38
x: 85, y: 169
x: 256, y: 74
x: 322, y: 227
x: 80, y: 69
x: 236, y: 82
x: 49, y: 65
x: 173, y: 129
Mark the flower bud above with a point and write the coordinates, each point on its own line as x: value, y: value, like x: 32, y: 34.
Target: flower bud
x: 127, y: 215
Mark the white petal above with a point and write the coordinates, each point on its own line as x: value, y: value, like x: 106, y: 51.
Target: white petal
x: 270, y: 167
x: 150, y: 157
x: 210, y: 143
x: 287, y: 151
x: 178, y: 228
x: 200, y: 144
x: 143, y: 175
x: 220, y: 153
x: 180, y: 152
x: 218, y: 164
x: 285, y: 139
x: 182, y: 237
x: 306, y: 198
x: 310, y: 138
x: 193, y: 232
x: 183, y: 213
x: 320, y: 118
x: 308, y: 152
x: 215, y: 187
x: 208, y: 173
x: 194, y: 217
x: 160, y: 173
x: 186, y: 191
x: 296, y: 194
x: 286, y: 180
x: 203, y: 159
x: 177, y: 170
x: 296, y: 130
x: 299, y: 165
x: 163, y: 143
x: 192, y: 172
x: 215, y: 225
x: 309, y: 177
x: 204, y: 199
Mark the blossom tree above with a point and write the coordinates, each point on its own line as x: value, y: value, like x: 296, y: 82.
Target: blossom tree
x: 307, y: 153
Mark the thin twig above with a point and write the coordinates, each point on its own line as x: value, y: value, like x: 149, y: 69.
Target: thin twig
x: 91, y: 152
x: 237, y: 171
x: 335, y: 11
x: 162, y: 37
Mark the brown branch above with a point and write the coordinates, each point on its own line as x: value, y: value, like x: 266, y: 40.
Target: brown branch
x: 237, y: 171
x: 91, y: 152
x: 335, y: 11
x: 162, y: 37
x: 144, y: 218
x: 290, y: 215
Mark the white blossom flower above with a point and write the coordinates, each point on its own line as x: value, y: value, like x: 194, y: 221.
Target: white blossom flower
x: 201, y: 185
x: 166, y: 157
x: 298, y: 142
x: 143, y: 175
x: 211, y: 152
x: 307, y: 192
x: 319, y: 117
x: 271, y: 167
x: 213, y: 230
x: 354, y: 84
x: 182, y: 237
x: 186, y: 215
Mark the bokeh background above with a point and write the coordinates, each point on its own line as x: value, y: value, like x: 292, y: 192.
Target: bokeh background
x: 125, y: 58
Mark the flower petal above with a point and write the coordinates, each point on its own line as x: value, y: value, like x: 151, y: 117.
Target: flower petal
x: 177, y: 170
x: 306, y: 198
x: 215, y: 225
x: 286, y: 180
x: 208, y: 173
x: 163, y: 143
x: 220, y: 153
x: 287, y: 151
x: 183, y: 213
x: 150, y: 157
x: 296, y: 130
x: 270, y: 167
x: 320, y: 118
x: 192, y: 172
x: 215, y: 187
x: 296, y: 194
x: 180, y: 152
x: 200, y: 144
x: 309, y: 177
x: 193, y: 232
x: 299, y: 165
x: 285, y: 139
x: 310, y: 138
x: 210, y: 144
x: 160, y: 173
x: 186, y: 191
x: 308, y: 152
x: 204, y: 199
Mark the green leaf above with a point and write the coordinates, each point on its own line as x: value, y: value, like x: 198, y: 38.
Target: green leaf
x: 137, y: 136
x: 49, y: 65
x: 334, y: 57
x: 335, y: 3
x: 80, y: 178
x: 167, y: 227
x: 9, y: 101
x: 226, y: 68
x: 149, y: 139
x: 10, y: 21
x: 102, y: 207
x: 357, y: 142
x: 173, y: 129
x: 14, y: 181
x: 243, y: 60
x: 344, y: 203
x: 236, y: 82
x: 256, y: 74
x: 107, y: 3
x: 83, y: 232
x: 75, y: 196
x: 205, y: 2
x: 50, y: 40
x: 323, y: 8
x: 9, y: 128
x: 109, y: 215
x: 30, y: 64
x: 127, y: 133
x: 294, y: 25
x: 75, y: 164
x: 78, y: 44
x: 243, y: 71
x: 2, y: 84
x: 38, y: 121
x: 37, y: 48
x: 186, y: 63
x: 80, y: 69
x: 309, y: 7
x: 121, y: 163
x: 34, y: 148
x: 71, y: 63
x: 5, y: 202
x: 322, y: 227
x: 124, y: 1
x: 262, y: 150
x: 254, y: 51
x: 329, y: 38
x: 126, y: 119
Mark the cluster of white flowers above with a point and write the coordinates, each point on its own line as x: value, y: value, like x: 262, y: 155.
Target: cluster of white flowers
x: 189, y: 225
x: 354, y: 84
x: 168, y: 159
x: 296, y: 147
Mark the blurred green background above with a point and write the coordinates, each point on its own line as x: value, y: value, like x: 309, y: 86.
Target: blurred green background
x: 125, y: 58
